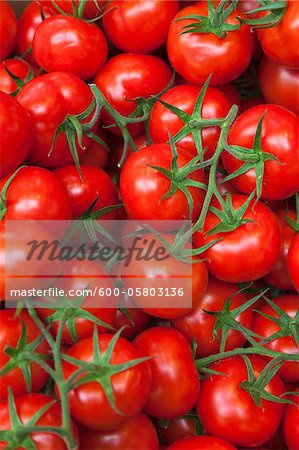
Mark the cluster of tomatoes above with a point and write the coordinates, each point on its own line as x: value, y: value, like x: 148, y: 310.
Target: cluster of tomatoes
x: 155, y: 110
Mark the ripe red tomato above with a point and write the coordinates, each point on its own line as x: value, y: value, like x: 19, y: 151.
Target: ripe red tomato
x: 10, y: 340
x: 36, y: 194
x: 175, y: 381
x: 166, y: 277
x: 142, y: 187
x: 202, y: 443
x: 80, y: 277
x: 96, y: 184
x: 282, y: 142
x: 15, y: 132
x: 97, y: 154
x: 227, y: 410
x: 279, y: 85
x: 279, y: 275
x: 163, y: 121
x: 89, y: 405
x: 291, y: 424
x: 27, y: 406
x: 280, y: 42
x: 231, y: 93
x: 198, y: 325
x: 92, y: 8
x: 265, y: 328
x: 17, y: 67
x: 197, y: 55
x: 293, y: 262
x: 64, y: 43
x: 137, y: 433
x: 126, y: 77
x: 8, y: 29
x: 30, y: 18
x: 176, y: 429
x: 124, y: 19
x: 49, y: 99
x: 247, y: 253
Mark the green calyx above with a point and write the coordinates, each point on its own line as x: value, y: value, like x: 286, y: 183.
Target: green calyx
x: 215, y: 23
x: 3, y: 193
x: 18, y: 81
x: 294, y: 224
x: 100, y: 370
x: 276, y: 10
x: 78, y: 9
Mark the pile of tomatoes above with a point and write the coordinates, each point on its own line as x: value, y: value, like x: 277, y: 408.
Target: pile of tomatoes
x: 131, y: 111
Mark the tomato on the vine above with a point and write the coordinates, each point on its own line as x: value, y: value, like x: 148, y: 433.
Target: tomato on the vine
x: 19, y: 68
x: 291, y: 423
x: 202, y: 443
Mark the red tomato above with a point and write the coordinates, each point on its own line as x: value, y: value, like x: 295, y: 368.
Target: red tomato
x: 82, y: 276
x: 176, y: 429
x: 232, y: 94
x: 166, y: 277
x: 131, y: 387
x: 202, y: 443
x: 227, y: 410
x: 265, y: 328
x: 36, y: 194
x: 64, y: 43
x: 8, y: 29
x: 17, y: 67
x: 117, y: 146
x: 49, y: 99
x: 8, y: 340
x: 282, y: 142
x: 30, y: 18
x: 124, y: 22
x: 196, y: 55
x: 142, y: 187
x: 137, y: 433
x: 198, y: 325
x: 247, y: 253
x: 15, y: 132
x: 97, y: 154
x: 279, y: 85
x: 92, y: 8
x: 279, y: 275
x: 280, y: 42
x: 184, y: 96
x: 95, y: 184
x: 175, y: 381
x: 291, y: 424
x: 126, y: 77
x: 137, y: 320
x: 27, y: 406
x: 293, y: 262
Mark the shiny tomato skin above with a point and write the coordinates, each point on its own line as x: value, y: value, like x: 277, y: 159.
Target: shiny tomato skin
x: 27, y: 406
x: 123, y: 19
x: 224, y: 406
x: 126, y: 77
x: 279, y: 275
x: 80, y: 275
x: 265, y: 328
x: 96, y: 183
x: 14, y: 377
x: 49, y: 99
x: 291, y: 424
x: 280, y: 42
x: 202, y: 443
x: 16, y: 134
x: 89, y: 405
x: 67, y: 44
x: 282, y: 142
x: 8, y: 29
x: 137, y: 433
x: 18, y: 67
x: 36, y: 194
x: 196, y: 55
x: 279, y: 85
x: 175, y: 381
x: 29, y: 20
x: 293, y: 262
x: 198, y: 325
x: 247, y: 253
x: 163, y: 121
x: 92, y: 8
x: 142, y: 187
